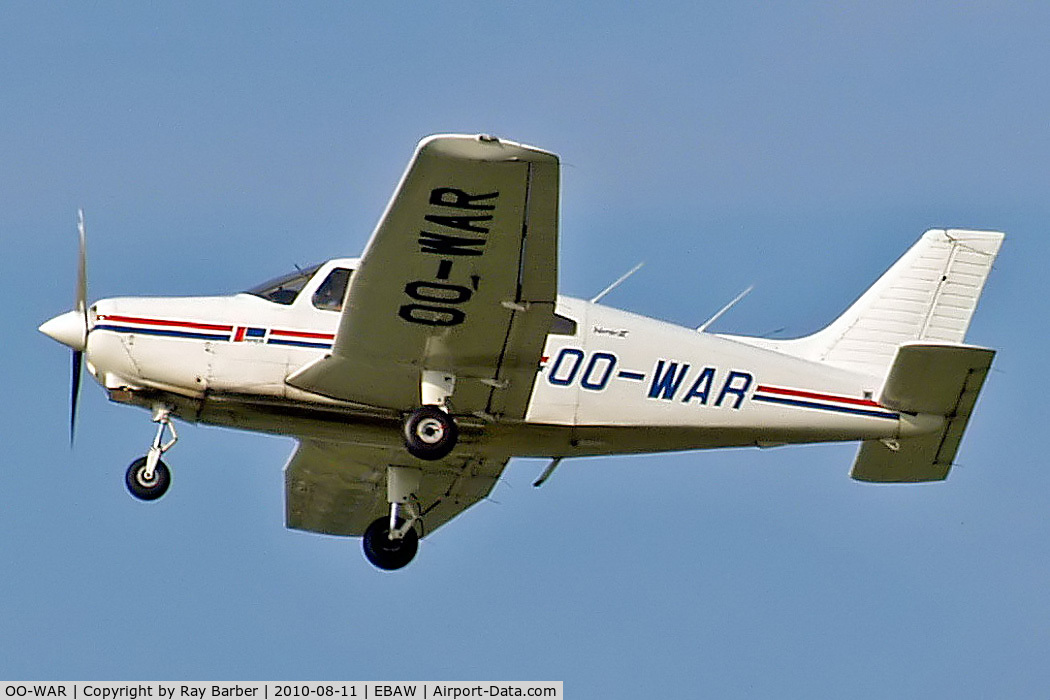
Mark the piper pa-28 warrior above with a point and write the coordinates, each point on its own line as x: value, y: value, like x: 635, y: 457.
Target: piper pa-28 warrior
x: 411, y: 375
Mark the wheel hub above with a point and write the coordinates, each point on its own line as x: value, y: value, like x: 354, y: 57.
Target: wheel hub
x: 140, y: 476
x: 430, y: 430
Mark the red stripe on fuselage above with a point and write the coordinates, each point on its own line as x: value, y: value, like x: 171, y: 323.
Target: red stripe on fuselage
x: 239, y: 336
x: 303, y: 334
x: 819, y: 397
x: 165, y: 322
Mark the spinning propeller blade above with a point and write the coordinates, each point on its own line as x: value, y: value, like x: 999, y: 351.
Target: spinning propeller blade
x: 81, y: 308
x: 81, y: 292
x: 78, y: 363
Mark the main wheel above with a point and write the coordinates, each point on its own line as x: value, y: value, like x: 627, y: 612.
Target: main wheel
x: 147, y: 489
x: 430, y: 433
x: 385, y: 553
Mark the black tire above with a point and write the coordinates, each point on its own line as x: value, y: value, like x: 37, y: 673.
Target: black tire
x: 147, y: 490
x: 430, y: 433
x: 385, y: 553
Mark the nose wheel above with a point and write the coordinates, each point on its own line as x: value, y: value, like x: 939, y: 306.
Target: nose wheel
x: 148, y: 478
x: 144, y: 485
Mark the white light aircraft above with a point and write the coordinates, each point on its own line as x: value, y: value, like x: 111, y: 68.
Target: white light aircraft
x: 411, y: 375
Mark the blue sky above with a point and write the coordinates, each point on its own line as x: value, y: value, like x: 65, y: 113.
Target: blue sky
x: 798, y: 147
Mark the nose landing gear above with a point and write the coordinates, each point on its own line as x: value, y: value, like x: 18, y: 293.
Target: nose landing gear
x: 148, y: 478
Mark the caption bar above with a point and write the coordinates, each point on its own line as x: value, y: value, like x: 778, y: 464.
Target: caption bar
x: 258, y: 690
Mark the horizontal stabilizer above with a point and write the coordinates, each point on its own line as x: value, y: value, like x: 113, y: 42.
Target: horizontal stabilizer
x: 932, y: 379
x: 927, y: 377
x: 914, y: 460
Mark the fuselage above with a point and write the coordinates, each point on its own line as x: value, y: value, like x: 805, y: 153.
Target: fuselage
x: 609, y: 381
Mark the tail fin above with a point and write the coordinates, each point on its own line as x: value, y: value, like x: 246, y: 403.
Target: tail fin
x: 932, y: 379
x: 930, y: 294
x: 907, y: 330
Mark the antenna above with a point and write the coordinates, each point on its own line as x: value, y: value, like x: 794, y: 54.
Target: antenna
x: 617, y: 283
x: 725, y: 308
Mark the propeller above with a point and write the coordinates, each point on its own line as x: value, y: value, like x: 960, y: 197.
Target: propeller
x: 80, y: 307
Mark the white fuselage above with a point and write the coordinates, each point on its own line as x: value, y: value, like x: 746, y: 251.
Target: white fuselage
x: 619, y: 383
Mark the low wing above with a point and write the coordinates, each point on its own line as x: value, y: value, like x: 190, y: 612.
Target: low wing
x: 460, y: 276
x: 339, y: 489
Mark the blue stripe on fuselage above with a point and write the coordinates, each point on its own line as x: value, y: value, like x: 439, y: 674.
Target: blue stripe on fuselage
x: 298, y: 343
x: 823, y: 406
x: 161, y: 332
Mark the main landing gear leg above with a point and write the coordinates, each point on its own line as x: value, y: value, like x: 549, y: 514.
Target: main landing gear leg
x: 430, y: 431
x: 391, y: 542
x: 148, y: 478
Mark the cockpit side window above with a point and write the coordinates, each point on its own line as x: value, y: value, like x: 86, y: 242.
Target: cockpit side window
x: 562, y: 326
x: 329, y: 296
x: 284, y: 289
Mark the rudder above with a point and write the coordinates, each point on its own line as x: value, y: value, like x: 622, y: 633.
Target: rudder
x: 929, y: 294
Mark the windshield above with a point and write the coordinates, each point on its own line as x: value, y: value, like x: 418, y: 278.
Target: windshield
x: 284, y: 289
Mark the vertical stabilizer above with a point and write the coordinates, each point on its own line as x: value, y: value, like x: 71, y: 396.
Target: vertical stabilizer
x: 906, y: 333
x: 929, y: 295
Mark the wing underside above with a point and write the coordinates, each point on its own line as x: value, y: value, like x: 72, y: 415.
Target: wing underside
x: 339, y: 489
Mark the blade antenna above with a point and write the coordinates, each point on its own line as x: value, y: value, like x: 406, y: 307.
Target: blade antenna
x: 617, y: 283
x: 547, y: 472
x: 725, y: 308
